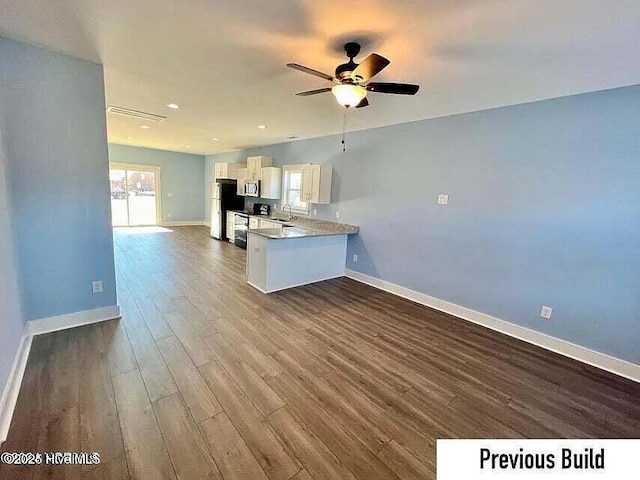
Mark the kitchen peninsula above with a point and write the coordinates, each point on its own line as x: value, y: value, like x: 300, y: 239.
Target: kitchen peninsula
x: 300, y: 252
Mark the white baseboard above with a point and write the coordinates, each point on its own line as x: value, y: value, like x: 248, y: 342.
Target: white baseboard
x: 12, y: 387
x: 591, y: 357
x: 207, y: 224
x: 184, y: 223
x: 70, y: 320
x: 38, y: 327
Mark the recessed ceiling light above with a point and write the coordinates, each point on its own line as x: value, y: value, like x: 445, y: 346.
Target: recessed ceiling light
x: 129, y: 138
x: 215, y: 139
x: 262, y: 127
x: 174, y: 106
x: 145, y: 126
x: 188, y: 146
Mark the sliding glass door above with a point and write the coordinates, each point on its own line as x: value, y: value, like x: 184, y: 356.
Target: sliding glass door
x: 135, y: 199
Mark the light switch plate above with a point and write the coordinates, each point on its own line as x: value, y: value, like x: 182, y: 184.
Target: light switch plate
x: 338, y: 214
x: 443, y: 199
x: 546, y: 312
x: 355, y: 258
x: 96, y: 286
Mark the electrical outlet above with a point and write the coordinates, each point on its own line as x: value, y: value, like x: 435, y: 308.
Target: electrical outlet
x: 315, y: 212
x: 338, y: 214
x: 546, y: 312
x: 96, y: 286
x: 170, y: 195
x: 443, y: 199
x: 355, y: 258
x: 169, y: 215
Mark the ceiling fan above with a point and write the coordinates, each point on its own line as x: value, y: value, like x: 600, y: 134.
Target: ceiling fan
x: 352, y: 79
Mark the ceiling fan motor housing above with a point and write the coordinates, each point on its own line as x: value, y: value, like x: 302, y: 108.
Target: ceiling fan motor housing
x: 344, y: 71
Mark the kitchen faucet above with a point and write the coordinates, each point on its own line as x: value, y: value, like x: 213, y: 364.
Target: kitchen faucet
x: 285, y: 206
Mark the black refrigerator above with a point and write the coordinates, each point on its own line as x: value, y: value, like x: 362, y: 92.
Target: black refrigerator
x: 224, y: 197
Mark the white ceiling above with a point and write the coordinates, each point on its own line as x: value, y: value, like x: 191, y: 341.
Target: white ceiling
x: 224, y: 61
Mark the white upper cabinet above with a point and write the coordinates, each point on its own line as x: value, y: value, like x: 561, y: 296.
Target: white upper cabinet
x: 316, y: 184
x: 226, y: 170
x: 270, y: 182
x: 242, y: 177
x: 255, y: 166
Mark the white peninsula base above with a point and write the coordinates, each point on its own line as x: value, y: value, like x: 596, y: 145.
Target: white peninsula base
x: 277, y: 263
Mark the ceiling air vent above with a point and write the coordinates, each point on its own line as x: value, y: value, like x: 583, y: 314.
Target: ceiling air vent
x: 127, y: 112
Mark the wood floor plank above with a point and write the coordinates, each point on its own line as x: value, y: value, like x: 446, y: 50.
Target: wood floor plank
x: 363, y: 427
x: 315, y: 455
x: 302, y: 475
x: 261, y: 363
x: 196, y: 394
x: 273, y: 457
x: 230, y: 451
x: 116, y: 469
x: 405, y: 465
x: 99, y: 427
x: 191, y: 341
x: 118, y: 348
x: 153, y: 317
x: 261, y: 394
x: 360, y: 461
x: 155, y: 373
x: 221, y: 349
x: 147, y: 455
x: 187, y: 449
x: 60, y: 426
x: 131, y: 316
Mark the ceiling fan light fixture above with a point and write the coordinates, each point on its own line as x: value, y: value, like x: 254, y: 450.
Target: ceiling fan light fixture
x: 348, y: 95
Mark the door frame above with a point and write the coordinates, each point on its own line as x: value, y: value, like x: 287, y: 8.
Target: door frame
x: 136, y: 167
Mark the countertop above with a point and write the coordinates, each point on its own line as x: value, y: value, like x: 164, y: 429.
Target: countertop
x: 300, y: 227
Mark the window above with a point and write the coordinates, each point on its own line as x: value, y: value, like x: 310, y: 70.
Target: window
x: 292, y: 188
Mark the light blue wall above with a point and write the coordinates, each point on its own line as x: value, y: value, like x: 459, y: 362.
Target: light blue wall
x: 544, y: 210
x: 11, y: 322
x: 54, y: 131
x: 181, y: 175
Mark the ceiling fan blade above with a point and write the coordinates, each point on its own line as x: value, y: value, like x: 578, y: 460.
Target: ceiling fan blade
x: 313, y: 92
x: 396, y: 88
x: 370, y: 67
x: 310, y: 71
x: 363, y: 103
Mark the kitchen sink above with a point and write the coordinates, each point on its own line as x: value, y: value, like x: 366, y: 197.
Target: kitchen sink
x: 285, y: 223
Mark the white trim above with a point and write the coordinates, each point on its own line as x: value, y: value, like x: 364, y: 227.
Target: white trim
x: 184, y: 223
x: 12, y: 387
x: 591, y: 357
x: 37, y: 327
x: 71, y: 320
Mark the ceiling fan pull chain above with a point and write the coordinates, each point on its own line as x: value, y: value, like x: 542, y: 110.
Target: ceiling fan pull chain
x: 344, y: 131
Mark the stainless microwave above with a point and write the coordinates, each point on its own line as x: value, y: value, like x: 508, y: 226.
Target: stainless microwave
x: 252, y: 188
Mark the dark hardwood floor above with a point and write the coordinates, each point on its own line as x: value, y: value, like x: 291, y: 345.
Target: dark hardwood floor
x: 204, y: 377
